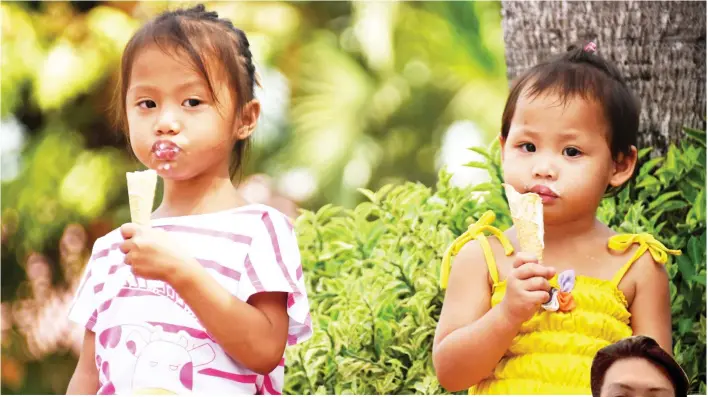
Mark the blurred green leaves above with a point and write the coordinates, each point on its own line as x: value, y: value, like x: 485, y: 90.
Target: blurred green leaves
x: 95, y: 167
x: 21, y: 53
x: 60, y: 61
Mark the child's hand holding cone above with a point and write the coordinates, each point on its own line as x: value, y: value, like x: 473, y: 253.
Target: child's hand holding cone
x: 527, y: 288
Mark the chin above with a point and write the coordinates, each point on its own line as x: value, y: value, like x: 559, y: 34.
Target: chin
x: 181, y: 173
x: 173, y: 174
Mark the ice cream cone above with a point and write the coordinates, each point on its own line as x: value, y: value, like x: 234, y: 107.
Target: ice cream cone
x: 527, y: 214
x: 141, y: 195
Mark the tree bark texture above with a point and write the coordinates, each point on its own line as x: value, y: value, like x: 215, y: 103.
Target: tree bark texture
x: 660, y: 48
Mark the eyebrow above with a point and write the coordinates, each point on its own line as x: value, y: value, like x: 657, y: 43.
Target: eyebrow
x: 623, y: 386
x: 567, y: 134
x: 629, y: 387
x: 180, y: 86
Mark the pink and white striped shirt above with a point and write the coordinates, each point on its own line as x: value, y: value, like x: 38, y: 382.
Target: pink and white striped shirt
x: 148, y: 339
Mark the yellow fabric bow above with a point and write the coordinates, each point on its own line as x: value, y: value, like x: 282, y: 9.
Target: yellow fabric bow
x: 474, y: 231
x: 646, y: 241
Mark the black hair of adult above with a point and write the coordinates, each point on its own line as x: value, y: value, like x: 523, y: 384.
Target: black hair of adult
x: 637, y: 347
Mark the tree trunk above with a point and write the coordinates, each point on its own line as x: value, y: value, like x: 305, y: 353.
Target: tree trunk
x: 660, y: 48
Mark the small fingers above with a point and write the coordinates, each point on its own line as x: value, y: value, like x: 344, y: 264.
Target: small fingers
x: 530, y: 270
x: 523, y: 258
x: 126, y: 246
x: 536, y: 284
x: 129, y: 230
x: 538, y: 297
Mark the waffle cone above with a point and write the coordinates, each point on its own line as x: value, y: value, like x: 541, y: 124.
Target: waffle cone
x: 141, y: 195
x: 529, y: 238
x: 527, y: 214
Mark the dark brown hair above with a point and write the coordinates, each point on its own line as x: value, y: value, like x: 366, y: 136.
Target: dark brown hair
x: 637, y: 347
x: 580, y: 72
x: 200, y: 34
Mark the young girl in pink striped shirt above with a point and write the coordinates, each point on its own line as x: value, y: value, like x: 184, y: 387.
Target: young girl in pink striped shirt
x: 207, y: 298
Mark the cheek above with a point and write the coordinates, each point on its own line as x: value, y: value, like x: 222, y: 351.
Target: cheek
x: 138, y: 143
x: 513, y: 165
x: 589, y: 177
x: 602, y: 168
x: 138, y: 133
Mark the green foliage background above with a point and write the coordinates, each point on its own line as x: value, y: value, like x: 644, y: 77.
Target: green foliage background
x: 373, y: 271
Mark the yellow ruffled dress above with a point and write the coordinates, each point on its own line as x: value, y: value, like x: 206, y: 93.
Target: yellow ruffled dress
x: 553, y: 352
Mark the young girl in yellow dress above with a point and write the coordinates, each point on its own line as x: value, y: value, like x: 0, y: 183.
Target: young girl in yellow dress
x: 569, y: 132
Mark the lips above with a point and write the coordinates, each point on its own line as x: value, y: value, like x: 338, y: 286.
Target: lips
x: 165, y: 150
x: 547, y: 194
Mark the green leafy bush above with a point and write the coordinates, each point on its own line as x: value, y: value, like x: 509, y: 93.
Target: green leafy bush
x: 668, y: 200
x: 372, y: 272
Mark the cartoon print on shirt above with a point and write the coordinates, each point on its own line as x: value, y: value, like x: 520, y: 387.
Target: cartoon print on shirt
x: 164, y: 361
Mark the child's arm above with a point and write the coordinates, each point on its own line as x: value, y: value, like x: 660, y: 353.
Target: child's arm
x: 471, y: 338
x: 85, y: 378
x: 651, y: 307
x: 253, y: 333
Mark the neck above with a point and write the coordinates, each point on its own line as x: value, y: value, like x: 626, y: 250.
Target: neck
x: 563, y: 233
x: 199, y: 195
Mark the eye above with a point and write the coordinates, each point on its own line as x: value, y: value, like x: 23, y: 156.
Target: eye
x: 527, y: 147
x: 173, y: 367
x: 571, y: 152
x: 147, y: 104
x: 192, y: 102
x: 153, y: 363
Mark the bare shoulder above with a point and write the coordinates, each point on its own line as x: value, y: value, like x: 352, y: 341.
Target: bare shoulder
x: 470, y: 261
x: 644, y: 274
x: 647, y: 271
x: 502, y: 261
x: 468, y: 292
x: 473, y: 253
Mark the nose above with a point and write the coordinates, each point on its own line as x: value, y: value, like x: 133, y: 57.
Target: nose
x: 167, y: 123
x: 545, y: 169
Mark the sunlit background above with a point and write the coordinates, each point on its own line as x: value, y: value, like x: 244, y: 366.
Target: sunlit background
x: 354, y: 95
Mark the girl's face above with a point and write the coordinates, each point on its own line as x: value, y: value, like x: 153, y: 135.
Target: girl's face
x: 631, y: 377
x: 175, y: 126
x: 562, y: 152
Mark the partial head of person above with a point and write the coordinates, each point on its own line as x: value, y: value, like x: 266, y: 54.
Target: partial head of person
x: 636, y: 366
x: 186, y: 94
x: 569, y: 132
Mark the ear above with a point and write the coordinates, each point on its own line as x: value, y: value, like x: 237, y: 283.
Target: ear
x: 248, y: 120
x: 623, y: 167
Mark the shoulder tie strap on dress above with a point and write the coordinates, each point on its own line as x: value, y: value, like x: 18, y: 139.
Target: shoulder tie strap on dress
x: 647, y: 242
x: 474, y: 231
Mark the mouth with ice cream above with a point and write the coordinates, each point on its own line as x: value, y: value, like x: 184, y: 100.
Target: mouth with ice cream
x: 166, y: 153
x: 547, y: 193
